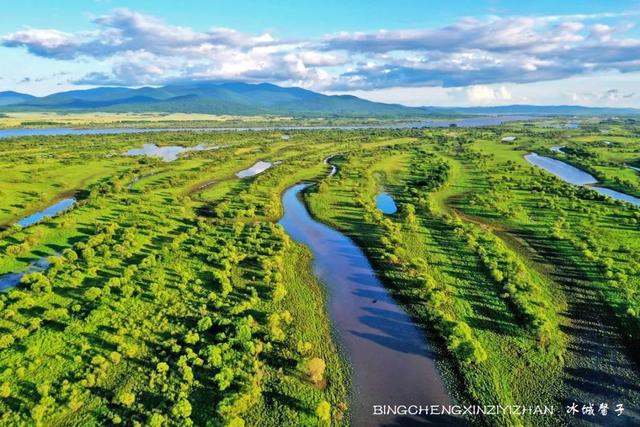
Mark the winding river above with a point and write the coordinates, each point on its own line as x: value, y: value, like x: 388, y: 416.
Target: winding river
x: 573, y: 175
x: 390, y: 357
x: 334, y: 168
x: 51, y: 211
x: 10, y: 280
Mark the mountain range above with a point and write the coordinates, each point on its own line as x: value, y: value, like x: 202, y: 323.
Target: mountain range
x: 255, y: 99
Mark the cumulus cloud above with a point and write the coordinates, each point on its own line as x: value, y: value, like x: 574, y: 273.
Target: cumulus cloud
x: 495, y: 35
x: 607, y: 96
x: 142, y: 49
x: 480, y: 94
x: 125, y: 31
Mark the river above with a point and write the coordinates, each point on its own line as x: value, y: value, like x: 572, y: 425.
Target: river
x: 49, y: 212
x: 10, y: 280
x: 465, y: 122
x: 391, y: 360
x: 573, y: 175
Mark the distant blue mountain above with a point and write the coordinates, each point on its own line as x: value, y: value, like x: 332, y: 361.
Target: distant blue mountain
x: 253, y: 99
x: 543, y: 109
x: 12, y: 98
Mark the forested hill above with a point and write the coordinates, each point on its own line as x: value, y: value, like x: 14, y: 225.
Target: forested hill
x: 207, y: 97
x: 257, y: 99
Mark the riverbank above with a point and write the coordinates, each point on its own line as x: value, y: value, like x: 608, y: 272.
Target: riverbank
x: 385, y: 350
x: 576, y: 176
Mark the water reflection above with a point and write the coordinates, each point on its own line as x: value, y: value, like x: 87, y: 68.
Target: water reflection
x: 562, y: 170
x: 257, y: 168
x: 391, y: 359
x: 576, y: 176
x: 168, y: 153
x: 11, y: 280
x: 49, y: 212
x: 386, y: 204
x: 617, y: 195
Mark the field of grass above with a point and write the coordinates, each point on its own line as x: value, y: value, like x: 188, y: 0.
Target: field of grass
x: 174, y: 298
x: 168, y: 120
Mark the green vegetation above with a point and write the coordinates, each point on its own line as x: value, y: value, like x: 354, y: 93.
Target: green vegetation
x: 209, y: 97
x: 85, y: 120
x: 172, y: 296
x: 154, y: 314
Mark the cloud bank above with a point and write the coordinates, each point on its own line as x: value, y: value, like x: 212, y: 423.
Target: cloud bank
x: 141, y: 49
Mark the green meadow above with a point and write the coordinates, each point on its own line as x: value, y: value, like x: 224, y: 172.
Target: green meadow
x: 173, y: 297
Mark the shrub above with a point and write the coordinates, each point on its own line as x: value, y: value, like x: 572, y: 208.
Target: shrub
x: 315, y: 369
x: 460, y: 341
x: 126, y: 399
x: 5, y: 390
x: 56, y: 314
x: 92, y: 293
x: 6, y: 340
x: 181, y: 409
x: 37, y: 282
x: 205, y: 324
x: 323, y: 411
x: 156, y: 420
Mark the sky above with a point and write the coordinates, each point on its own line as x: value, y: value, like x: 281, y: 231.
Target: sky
x: 462, y: 53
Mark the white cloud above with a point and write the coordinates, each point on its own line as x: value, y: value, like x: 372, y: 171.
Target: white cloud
x: 474, y: 53
x: 481, y: 94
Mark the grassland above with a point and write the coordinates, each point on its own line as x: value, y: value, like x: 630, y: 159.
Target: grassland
x: 16, y: 120
x: 174, y: 298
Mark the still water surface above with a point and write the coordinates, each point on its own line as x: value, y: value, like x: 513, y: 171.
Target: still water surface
x: 11, y: 280
x: 386, y: 204
x: 49, y: 212
x: 391, y: 359
x: 573, y: 175
x: 254, y: 170
x: 466, y: 122
x: 168, y: 153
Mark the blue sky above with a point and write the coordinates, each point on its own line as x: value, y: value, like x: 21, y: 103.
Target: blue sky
x: 411, y: 52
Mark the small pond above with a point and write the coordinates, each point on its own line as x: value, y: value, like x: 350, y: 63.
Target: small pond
x: 386, y: 204
x: 254, y: 170
x: 167, y: 153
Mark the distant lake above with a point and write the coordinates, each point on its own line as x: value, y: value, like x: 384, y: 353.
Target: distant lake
x: 465, y: 122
